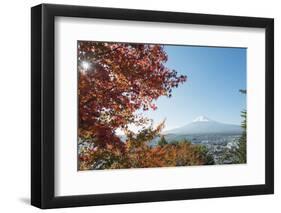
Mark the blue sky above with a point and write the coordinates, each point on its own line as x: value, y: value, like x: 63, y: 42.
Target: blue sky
x: 215, y: 76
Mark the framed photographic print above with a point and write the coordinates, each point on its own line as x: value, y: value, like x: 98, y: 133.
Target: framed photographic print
x: 139, y: 106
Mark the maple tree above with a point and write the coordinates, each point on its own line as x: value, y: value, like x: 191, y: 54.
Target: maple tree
x: 116, y: 80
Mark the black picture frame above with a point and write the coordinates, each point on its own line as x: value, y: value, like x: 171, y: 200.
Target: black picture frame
x: 43, y: 102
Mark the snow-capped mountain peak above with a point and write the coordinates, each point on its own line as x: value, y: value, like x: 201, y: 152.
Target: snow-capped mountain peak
x: 204, y: 125
x: 201, y: 118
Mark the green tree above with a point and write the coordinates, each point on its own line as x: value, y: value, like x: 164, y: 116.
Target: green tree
x: 242, y: 146
x: 162, y: 141
x: 207, y: 158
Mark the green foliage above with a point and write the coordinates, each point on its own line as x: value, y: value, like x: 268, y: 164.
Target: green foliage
x: 241, y: 151
x: 208, y: 159
x: 242, y: 147
x: 243, y: 91
x: 162, y: 141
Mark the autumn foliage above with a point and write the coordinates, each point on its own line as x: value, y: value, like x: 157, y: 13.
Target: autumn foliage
x: 140, y: 154
x: 116, y: 81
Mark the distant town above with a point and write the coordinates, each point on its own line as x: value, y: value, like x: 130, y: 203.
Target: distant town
x: 221, y: 146
x: 221, y: 139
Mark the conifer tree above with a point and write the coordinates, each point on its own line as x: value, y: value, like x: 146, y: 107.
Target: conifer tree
x: 162, y: 141
x: 242, y: 146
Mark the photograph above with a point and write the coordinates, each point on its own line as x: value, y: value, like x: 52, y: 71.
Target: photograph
x: 133, y: 105
x: 145, y: 105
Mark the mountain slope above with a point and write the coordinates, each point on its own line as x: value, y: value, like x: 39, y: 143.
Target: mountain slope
x: 204, y: 125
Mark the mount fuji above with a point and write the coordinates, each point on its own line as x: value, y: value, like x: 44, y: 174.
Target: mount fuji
x: 204, y: 125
